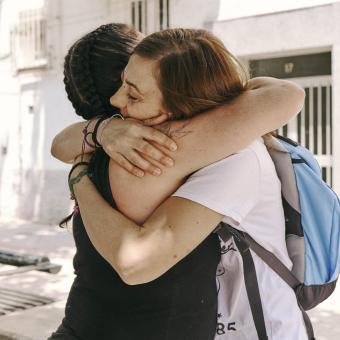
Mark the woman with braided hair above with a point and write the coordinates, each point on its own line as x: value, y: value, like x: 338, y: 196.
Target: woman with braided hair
x: 145, y: 263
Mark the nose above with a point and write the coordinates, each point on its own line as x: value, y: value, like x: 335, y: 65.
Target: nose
x: 119, y: 99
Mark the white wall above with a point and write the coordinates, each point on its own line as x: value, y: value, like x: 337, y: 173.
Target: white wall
x: 33, y: 185
x: 295, y: 32
x: 194, y: 13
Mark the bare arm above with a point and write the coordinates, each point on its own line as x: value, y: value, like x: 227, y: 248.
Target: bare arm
x: 205, y: 139
x: 141, y: 253
x: 133, y: 248
x: 67, y: 144
x: 267, y: 105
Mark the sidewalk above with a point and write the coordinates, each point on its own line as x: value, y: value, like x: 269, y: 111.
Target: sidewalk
x: 36, y: 239
x: 38, y: 323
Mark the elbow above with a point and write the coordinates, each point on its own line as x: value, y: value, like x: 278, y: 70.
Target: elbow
x: 295, y: 98
x: 146, y: 258
x: 133, y: 268
x: 54, y: 148
x: 58, y: 150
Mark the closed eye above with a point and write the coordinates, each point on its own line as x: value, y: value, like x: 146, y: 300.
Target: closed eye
x: 132, y: 98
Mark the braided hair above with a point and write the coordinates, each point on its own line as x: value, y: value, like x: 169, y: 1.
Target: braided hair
x: 93, y: 66
x: 92, y: 71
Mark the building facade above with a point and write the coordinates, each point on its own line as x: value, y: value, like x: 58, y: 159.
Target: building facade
x: 303, y: 46
x: 36, y: 34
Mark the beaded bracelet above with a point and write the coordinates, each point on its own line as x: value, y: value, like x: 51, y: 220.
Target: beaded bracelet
x: 87, y: 133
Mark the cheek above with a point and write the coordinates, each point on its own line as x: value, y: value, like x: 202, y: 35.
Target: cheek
x: 134, y: 110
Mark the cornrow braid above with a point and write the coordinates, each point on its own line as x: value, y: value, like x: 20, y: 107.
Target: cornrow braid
x: 92, y: 70
x: 93, y: 66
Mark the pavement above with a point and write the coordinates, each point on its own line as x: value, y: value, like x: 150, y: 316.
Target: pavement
x: 48, y: 240
x: 44, y: 240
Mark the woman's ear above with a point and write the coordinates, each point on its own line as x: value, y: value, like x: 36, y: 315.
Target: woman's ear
x: 161, y: 118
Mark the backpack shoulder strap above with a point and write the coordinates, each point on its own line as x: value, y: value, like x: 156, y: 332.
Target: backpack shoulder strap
x: 225, y: 231
x: 251, y: 283
x: 278, y: 267
x: 273, y: 262
x: 244, y: 242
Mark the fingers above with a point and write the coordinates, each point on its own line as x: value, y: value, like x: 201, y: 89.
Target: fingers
x: 124, y: 163
x: 137, y: 160
x: 157, y: 120
x: 161, y: 138
x: 154, y: 153
x: 136, y: 165
x: 129, y: 144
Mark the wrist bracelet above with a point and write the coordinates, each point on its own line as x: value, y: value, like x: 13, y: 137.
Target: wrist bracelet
x: 95, y: 130
x: 73, y: 181
x: 104, y: 122
x: 86, y: 133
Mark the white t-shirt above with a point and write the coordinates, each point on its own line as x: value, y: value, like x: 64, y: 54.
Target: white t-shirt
x: 245, y: 188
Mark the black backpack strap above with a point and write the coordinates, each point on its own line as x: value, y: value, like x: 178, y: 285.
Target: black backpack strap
x: 251, y: 284
x: 287, y: 140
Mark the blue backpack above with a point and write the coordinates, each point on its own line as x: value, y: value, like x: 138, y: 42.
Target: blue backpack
x: 312, y: 215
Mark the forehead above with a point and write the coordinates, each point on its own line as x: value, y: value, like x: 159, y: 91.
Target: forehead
x: 141, y: 72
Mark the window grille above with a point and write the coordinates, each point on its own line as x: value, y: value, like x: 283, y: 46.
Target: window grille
x: 28, y: 40
x: 139, y: 15
x: 164, y: 14
x: 313, y: 126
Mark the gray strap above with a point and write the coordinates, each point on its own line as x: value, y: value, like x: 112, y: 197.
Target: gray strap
x: 273, y: 262
x: 308, y: 324
x: 225, y: 231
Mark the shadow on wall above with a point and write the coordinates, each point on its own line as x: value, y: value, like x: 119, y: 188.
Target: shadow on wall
x: 33, y: 184
x: 46, y: 194
x: 36, y: 184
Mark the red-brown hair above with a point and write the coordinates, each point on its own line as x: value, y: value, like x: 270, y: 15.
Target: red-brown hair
x: 196, y: 72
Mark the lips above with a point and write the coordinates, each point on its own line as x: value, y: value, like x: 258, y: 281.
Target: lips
x: 124, y: 112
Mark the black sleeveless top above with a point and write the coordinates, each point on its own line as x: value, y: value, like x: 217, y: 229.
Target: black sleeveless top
x: 179, y: 305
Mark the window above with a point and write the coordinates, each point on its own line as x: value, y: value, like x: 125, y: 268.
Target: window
x: 139, y: 16
x: 28, y: 40
x: 313, y: 127
x: 164, y: 20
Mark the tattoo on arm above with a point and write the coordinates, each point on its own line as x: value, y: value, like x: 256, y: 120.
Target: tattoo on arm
x: 174, y: 132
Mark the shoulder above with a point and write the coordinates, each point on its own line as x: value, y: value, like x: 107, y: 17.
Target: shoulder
x: 245, y: 161
x: 230, y: 186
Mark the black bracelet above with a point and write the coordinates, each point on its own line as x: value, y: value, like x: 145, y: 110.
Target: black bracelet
x: 76, y: 165
x: 95, y: 130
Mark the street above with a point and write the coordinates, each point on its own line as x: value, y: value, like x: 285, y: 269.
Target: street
x: 37, y: 323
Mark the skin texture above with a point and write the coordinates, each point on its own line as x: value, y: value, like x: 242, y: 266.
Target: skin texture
x: 139, y: 96
x: 267, y: 105
x: 142, y: 245
x: 142, y: 252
